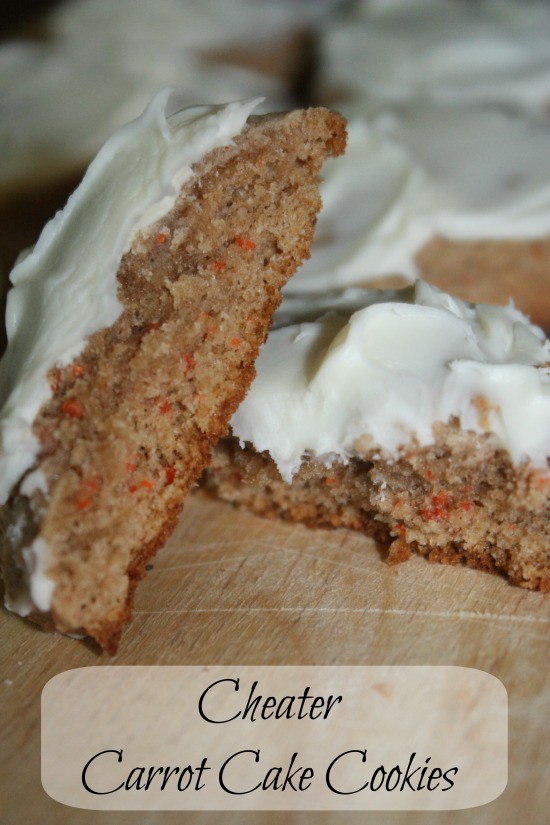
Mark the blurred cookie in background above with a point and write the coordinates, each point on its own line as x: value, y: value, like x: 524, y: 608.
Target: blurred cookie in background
x: 459, y: 196
x: 448, y: 165
x: 389, y: 52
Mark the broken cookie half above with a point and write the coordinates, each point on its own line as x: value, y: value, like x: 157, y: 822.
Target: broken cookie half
x: 133, y: 327
x: 410, y: 415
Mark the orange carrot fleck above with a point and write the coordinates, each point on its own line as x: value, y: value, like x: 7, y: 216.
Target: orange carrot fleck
x: 88, y: 488
x: 540, y: 481
x: 466, y: 506
x: 78, y: 370
x: 92, y: 483
x: 439, y: 509
x: 72, y: 408
x: 219, y: 266
x: 429, y: 474
x: 245, y: 243
x: 151, y: 327
x: 147, y: 485
x: 189, y: 362
x: 161, y: 237
x: 235, y: 342
x: 131, y: 468
x: 330, y: 479
x: 170, y: 473
x: 165, y: 407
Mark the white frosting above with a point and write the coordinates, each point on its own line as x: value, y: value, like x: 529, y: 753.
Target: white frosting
x: 298, y: 307
x: 390, y: 370
x: 495, y: 51
x: 460, y: 172
x: 66, y: 288
x: 32, y: 562
x: 34, y: 482
x: 40, y: 586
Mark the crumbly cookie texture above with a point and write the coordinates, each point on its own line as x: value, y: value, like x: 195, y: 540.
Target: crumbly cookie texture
x: 131, y: 422
x: 457, y: 500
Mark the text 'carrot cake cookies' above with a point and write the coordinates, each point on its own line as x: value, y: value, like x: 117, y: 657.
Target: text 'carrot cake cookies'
x: 133, y: 326
x: 415, y: 417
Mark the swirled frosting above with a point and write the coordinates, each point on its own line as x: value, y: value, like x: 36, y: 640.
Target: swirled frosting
x: 390, y: 368
x: 462, y: 172
x: 449, y: 133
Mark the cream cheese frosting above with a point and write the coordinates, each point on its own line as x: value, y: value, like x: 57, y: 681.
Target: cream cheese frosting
x: 65, y: 289
x: 461, y: 172
x: 391, y: 369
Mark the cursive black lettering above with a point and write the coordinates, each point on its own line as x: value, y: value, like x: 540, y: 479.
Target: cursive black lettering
x: 224, y: 766
x: 328, y: 777
x: 87, y: 765
x: 202, y: 698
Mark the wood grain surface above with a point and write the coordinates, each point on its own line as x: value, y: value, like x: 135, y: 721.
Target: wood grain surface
x: 230, y: 588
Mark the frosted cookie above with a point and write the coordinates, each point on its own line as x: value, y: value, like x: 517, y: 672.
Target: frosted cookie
x: 459, y: 196
x: 133, y: 327
x: 415, y: 417
x: 450, y: 180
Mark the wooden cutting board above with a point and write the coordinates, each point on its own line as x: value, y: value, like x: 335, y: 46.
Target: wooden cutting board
x: 231, y: 588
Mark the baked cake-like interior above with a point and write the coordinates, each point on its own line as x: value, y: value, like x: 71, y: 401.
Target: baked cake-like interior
x: 131, y: 420
x: 457, y: 500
